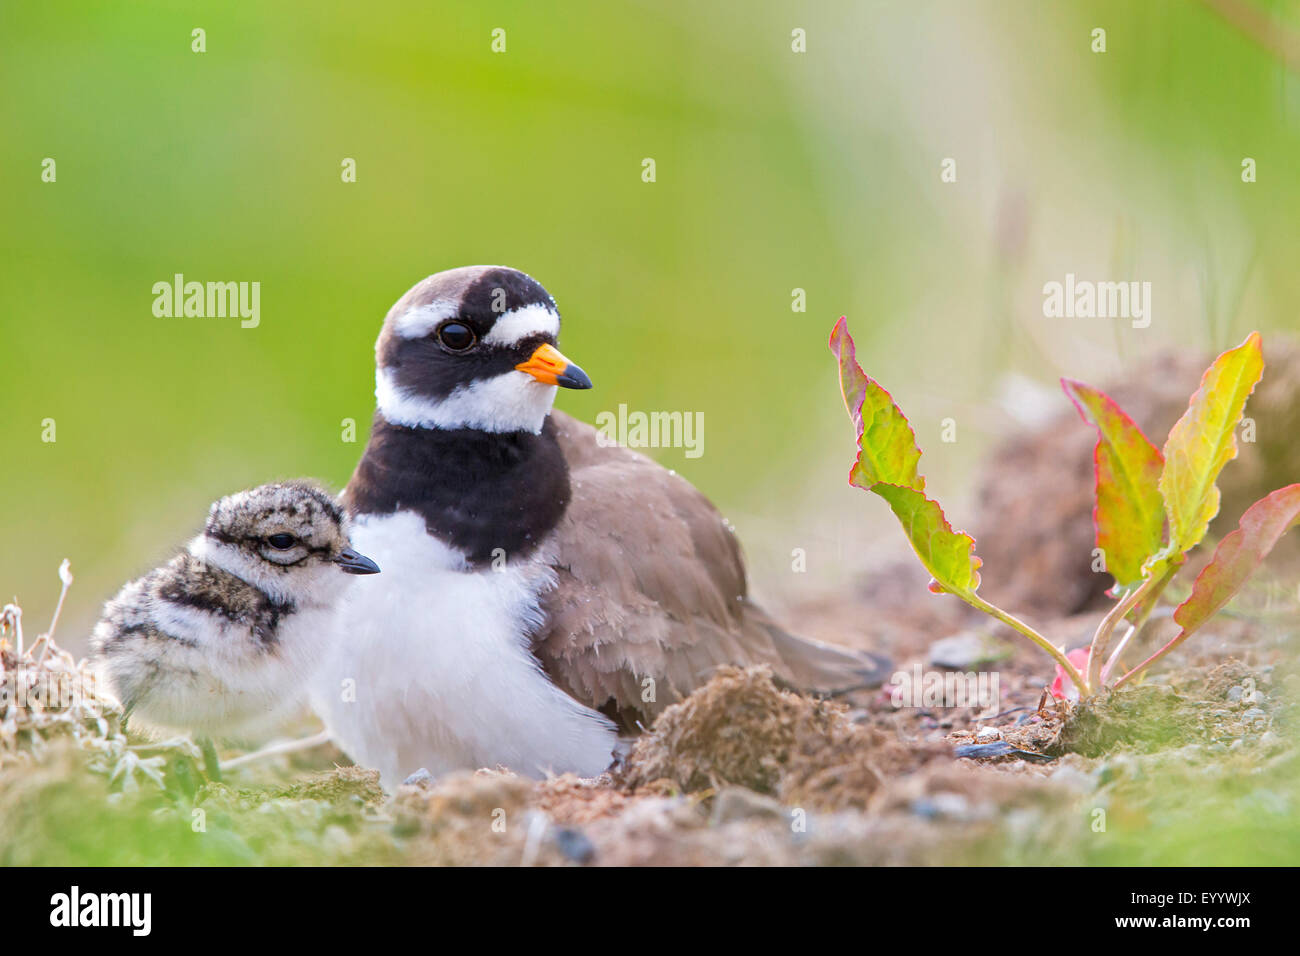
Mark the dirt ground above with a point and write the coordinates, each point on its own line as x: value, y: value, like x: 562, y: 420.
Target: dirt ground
x: 1196, y: 764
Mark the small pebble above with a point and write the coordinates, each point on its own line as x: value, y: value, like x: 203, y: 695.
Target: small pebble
x: 575, y: 845
x: 1234, y: 694
x: 421, y: 778
x: 967, y: 651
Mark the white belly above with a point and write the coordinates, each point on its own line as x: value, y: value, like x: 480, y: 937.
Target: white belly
x: 430, y: 667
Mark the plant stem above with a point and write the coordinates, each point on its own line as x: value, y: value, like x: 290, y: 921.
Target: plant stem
x: 1011, y: 621
x: 66, y: 580
x: 287, y: 747
x: 1144, y: 612
x: 13, y: 617
x: 1101, y: 639
x: 1143, y: 597
x: 1109, y: 666
x: 1154, y: 586
x: 1182, y: 636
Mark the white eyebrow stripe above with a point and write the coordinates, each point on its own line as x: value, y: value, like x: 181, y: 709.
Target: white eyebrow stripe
x: 419, y: 321
x: 514, y: 326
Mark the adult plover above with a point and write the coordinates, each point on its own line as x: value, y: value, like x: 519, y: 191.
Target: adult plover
x: 221, y: 639
x: 540, y: 591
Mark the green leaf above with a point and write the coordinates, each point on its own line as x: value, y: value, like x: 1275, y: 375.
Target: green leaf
x: 1203, y: 441
x: 1238, y: 556
x: 948, y: 555
x: 1235, y: 559
x: 886, y: 465
x: 887, y: 449
x: 1130, y: 513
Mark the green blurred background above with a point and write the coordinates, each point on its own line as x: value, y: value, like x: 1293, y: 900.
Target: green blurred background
x: 776, y: 170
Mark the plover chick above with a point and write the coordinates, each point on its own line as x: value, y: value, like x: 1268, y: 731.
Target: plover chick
x: 221, y: 639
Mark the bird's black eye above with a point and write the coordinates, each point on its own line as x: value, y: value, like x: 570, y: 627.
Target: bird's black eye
x: 282, y: 542
x: 456, y: 336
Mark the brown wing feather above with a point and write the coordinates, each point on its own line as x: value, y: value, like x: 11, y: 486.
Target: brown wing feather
x: 651, y: 584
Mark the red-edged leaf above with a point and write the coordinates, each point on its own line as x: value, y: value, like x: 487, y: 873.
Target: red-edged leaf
x: 1130, y: 514
x: 1203, y: 441
x: 887, y: 449
x: 948, y: 555
x: 853, y: 381
x: 886, y: 464
x: 1235, y: 560
x: 1238, y: 556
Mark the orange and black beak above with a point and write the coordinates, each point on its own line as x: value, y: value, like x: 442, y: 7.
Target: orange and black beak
x: 549, y: 367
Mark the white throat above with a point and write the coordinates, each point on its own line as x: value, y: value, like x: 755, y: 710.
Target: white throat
x: 511, y: 402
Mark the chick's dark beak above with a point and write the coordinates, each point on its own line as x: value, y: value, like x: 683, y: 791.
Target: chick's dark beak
x: 354, y: 562
x: 550, y: 367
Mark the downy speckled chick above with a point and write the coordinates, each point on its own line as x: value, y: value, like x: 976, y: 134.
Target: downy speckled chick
x: 220, y: 640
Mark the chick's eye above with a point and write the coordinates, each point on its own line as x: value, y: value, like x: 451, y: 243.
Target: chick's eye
x: 282, y: 542
x: 456, y: 336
